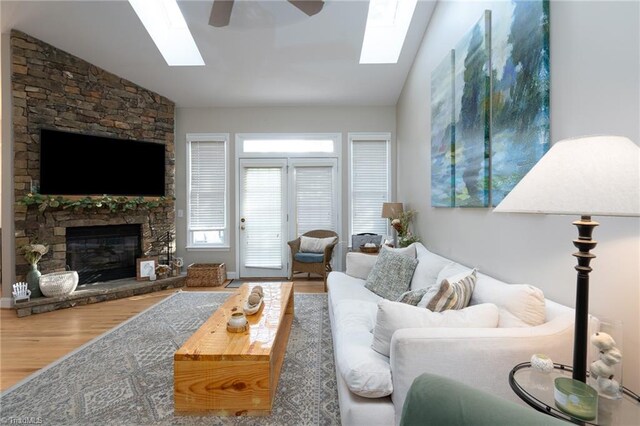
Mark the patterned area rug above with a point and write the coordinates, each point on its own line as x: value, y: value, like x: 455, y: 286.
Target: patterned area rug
x: 125, y: 377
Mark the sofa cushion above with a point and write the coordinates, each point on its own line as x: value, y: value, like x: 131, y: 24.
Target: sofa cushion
x: 359, y: 265
x: 521, y: 305
x: 309, y: 257
x: 392, y: 316
x: 343, y: 287
x: 412, y: 297
x: 391, y: 274
x: 314, y: 245
x: 365, y: 372
x: 452, y: 293
x: 427, y: 270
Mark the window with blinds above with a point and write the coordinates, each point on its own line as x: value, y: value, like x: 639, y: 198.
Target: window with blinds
x: 207, y: 198
x: 315, y: 200
x: 370, y: 177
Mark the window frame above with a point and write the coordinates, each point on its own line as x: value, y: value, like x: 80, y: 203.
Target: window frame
x: 208, y: 137
x: 382, y: 137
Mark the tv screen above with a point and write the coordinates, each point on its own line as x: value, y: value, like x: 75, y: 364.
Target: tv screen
x: 81, y: 164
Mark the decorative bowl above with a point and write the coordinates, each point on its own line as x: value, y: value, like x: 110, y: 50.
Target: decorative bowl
x: 370, y: 250
x: 58, y: 283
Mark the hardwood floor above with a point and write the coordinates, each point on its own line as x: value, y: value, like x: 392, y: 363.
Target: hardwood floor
x: 31, y: 343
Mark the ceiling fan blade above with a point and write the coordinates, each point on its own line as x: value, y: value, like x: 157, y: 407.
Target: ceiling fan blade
x: 310, y: 7
x: 221, y: 13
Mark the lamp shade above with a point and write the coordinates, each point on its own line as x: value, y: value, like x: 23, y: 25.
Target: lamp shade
x: 391, y: 210
x: 597, y: 176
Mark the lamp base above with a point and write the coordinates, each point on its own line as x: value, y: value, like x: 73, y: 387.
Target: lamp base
x: 584, y: 244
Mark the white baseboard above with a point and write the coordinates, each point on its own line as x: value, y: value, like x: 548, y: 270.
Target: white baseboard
x: 6, y: 303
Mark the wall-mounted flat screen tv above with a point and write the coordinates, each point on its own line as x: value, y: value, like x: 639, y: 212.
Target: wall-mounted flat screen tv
x: 82, y: 164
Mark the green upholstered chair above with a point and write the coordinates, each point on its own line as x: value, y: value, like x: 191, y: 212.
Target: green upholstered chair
x: 313, y: 263
x: 436, y: 400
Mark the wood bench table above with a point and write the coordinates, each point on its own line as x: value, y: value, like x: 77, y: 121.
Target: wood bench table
x: 235, y: 373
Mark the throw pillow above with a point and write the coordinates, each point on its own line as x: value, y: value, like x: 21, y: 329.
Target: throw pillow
x: 314, y: 245
x: 520, y: 305
x: 412, y: 297
x: 391, y: 274
x: 450, y: 294
x: 393, y: 316
x: 359, y: 265
x: 407, y: 251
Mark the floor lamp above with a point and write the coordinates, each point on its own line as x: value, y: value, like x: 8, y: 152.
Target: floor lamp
x: 392, y: 211
x: 597, y: 176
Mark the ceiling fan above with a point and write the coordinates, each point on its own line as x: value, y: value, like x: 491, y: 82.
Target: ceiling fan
x: 221, y: 10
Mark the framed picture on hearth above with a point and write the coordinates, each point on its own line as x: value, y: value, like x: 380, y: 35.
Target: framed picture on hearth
x: 146, y: 267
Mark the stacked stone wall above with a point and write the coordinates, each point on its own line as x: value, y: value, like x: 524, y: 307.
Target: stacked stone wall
x: 56, y: 90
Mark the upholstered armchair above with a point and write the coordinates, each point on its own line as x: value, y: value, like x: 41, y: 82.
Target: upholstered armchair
x: 313, y: 262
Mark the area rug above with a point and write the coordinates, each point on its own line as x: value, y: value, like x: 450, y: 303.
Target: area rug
x: 125, y: 376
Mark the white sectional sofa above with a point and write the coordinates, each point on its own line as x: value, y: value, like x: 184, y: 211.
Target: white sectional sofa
x: 479, y: 357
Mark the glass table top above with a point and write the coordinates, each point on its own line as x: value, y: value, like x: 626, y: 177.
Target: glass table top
x: 536, y: 389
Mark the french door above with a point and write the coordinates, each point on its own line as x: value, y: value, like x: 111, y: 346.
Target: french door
x: 263, y: 217
x: 280, y: 199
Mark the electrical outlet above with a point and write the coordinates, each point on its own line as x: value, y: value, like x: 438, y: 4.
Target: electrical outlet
x: 180, y: 213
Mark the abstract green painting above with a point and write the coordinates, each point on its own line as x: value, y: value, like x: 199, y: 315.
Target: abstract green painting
x: 472, y: 115
x: 442, y: 134
x: 520, y: 92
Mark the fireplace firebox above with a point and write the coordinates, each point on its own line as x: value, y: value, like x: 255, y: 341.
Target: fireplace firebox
x: 103, y: 253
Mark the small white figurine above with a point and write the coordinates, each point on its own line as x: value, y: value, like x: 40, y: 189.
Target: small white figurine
x: 603, y: 369
x: 20, y: 292
x: 600, y: 369
x: 611, y: 357
x: 541, y: 363
x: 602, y: 341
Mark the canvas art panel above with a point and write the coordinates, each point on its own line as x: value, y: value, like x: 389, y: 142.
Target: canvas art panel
x: 442, y: 134
x: 472, y: 115
x: 520, y: 91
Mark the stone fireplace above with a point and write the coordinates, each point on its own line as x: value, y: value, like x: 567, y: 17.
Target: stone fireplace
x: 103, y: 253
x: 53, y: 89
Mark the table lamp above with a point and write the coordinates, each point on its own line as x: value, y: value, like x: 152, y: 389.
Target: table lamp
x: 392, y: 211
x: 597, y: 175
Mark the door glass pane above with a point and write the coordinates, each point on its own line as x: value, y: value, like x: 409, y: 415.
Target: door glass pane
x: 263, y: 217
x: 315, y: 208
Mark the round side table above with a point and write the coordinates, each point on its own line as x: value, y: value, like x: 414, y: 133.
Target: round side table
x: 536, y: 389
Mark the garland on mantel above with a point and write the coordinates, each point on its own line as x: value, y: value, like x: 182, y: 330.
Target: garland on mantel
x: 112, y: 203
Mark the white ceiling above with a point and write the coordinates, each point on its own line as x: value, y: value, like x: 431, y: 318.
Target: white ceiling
x: 271, y: 54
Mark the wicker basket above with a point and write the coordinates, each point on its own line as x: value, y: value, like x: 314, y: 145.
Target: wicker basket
x: 58, y: 283
x: 206, y: 274
x: 369, y: 250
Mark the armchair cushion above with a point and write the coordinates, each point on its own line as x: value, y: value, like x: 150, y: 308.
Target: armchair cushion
x: 309, y: 257
x: 314, y: 245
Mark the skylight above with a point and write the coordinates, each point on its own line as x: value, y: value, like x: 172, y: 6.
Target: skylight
x: 166, y: 26
x: 387, y: 25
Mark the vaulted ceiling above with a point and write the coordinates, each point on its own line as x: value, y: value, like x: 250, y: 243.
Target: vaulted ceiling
x: 270, y: 54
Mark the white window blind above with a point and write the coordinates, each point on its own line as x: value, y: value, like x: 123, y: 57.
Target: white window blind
x: 369, y: 185
x: 315, y: 207
x: 207, y: 196
x: 263, y: 215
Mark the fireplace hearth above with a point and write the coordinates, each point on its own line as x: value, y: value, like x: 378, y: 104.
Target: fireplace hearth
x: 103, y: 253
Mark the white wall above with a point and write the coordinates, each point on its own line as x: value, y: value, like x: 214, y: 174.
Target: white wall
x: 268, y: 120
x: 595, y: 89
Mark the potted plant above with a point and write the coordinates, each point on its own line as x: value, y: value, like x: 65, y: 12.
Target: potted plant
x: 33, y: 253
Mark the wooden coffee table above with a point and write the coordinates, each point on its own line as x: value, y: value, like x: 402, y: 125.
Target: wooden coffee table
x: 235, y: 373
